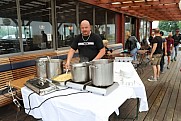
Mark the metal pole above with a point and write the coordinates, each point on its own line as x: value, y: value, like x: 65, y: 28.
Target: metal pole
x: 77, y: 17
x: 54, y: 27
x: 94, y: 16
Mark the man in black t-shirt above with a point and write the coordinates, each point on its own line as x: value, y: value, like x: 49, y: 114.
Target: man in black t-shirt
x: 155, y: 55
x: 89, y: 45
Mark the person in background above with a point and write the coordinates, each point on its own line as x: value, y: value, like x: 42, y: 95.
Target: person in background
x: 177, y: 40
x: 170, y: 43
x: 89, y: 45
x: 44, y: 38
x: 131, y: 45
x: 164, y: 47
x: 103, y: 35
x: 108, y: 50
x: 144, y: 44
x: 151, y: 39
x: 155, y: 55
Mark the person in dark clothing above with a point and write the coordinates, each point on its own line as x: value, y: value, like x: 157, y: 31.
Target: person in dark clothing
x: 177, y: 40
x: 162, y: 62
x: 88, y: 44
x: 131, y: 45
x: 144, y: 44
x: 44, y: 38
x: 156, y: 54
x: 103, y: 35
x: 151, y: 39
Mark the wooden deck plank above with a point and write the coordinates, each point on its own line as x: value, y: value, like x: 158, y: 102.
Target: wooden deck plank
x: 126, y: 109
x: 174, y: 91
x: 177, y: 112
x: 163, y: 107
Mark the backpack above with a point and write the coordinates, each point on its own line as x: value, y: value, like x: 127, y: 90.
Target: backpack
x: 138, y: 45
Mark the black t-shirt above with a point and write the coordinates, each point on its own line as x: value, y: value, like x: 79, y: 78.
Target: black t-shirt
x: 158, y: 40
x: 176, y: 39
x: 90, y: 48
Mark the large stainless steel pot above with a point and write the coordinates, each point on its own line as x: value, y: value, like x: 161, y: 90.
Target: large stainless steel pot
x: 54, y: 67
x: 102, y: 72
x: 80, y: 72
x: 49, y: 68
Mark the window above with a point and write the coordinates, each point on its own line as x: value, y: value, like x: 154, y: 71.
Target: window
x: 66, y: 22
x: 36, y: 25
x: 111, y: 27
x: 9, y: 39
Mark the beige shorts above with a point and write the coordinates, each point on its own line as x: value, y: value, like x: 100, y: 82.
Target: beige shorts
x: 156, y: 59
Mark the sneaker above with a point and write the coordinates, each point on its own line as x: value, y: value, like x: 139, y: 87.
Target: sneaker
x: 168, y: 67
x: 162, y: 72
x: 152, y: 79
x: 172, y: 60
x: 175, y: 59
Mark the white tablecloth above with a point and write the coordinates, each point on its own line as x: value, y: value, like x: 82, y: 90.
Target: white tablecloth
x: 82, y: 106
x: 134, y: 82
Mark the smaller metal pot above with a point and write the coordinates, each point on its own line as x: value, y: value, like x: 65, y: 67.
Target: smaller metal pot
x: 80, y: 72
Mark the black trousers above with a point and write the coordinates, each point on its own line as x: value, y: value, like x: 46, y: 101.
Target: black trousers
x: 162, y: 63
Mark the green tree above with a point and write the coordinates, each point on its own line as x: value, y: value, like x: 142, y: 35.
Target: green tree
x: 169, y: 26
x: 179, y: 24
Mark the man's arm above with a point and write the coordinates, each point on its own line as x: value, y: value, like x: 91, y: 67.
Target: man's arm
x: 165, y: 45
x: 153, y: 49
x: 101, y: 53
x: 69, y: 57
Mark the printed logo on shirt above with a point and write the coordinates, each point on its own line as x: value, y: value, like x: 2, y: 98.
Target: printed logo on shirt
x: 85, y: 43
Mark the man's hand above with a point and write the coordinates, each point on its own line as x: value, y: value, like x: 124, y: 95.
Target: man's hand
x: 165, y: 53
x: 67, y: 66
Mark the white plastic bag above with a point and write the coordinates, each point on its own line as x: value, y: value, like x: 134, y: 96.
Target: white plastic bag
x: 138, y: 45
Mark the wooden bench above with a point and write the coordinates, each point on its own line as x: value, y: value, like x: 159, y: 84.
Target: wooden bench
x: 5, y: 77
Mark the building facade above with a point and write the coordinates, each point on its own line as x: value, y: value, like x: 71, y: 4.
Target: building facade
x: 22, y: 23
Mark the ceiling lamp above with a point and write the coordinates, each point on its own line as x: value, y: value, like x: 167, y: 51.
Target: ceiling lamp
x: 115, y: 3
x: 179, y: 5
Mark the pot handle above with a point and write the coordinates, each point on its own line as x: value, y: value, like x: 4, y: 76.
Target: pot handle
x: 92, y: 66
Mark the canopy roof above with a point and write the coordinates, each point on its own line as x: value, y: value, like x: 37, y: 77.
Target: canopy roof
x: 148, y: 9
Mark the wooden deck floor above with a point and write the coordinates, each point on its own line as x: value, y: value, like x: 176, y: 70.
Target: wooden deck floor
x: 163, y: 98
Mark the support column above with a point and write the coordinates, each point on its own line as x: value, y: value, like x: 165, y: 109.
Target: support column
x: 137, y: 29
x: 122, y: 29
x: 150, y: 27
x: 19, y: 25
x: 118, y: 28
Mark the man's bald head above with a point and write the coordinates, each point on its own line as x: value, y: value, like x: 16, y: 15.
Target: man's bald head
x: 85, y: 28
x: 85, y: 22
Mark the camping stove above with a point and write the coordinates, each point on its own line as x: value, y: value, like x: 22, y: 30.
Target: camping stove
x: 88, y: 86
x: 105, y: 90
x: 41, y: 86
